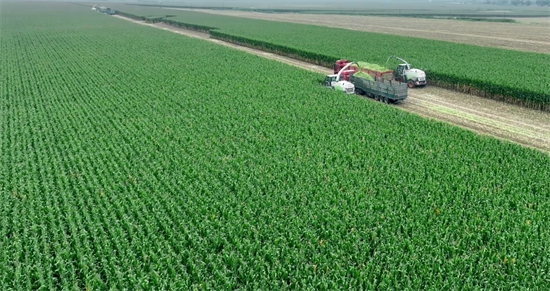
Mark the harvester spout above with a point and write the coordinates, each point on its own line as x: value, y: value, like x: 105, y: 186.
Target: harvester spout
x: 398, y: 58
x: 343, y: 69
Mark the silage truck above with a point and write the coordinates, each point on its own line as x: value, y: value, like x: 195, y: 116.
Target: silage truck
x: 366, y: 81
x: 403, y: 73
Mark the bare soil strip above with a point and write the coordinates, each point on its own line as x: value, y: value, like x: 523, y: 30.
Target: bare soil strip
x: 521, y: 125
x: 524, y: 36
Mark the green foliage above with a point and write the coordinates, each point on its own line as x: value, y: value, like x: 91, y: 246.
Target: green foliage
x: 127, y: 162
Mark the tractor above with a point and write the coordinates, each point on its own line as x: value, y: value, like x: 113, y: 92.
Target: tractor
x: 404, y: 73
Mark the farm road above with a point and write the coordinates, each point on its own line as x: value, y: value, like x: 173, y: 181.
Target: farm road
x: 517, y: 124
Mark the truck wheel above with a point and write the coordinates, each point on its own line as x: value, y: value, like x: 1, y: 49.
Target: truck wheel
x: 386, y: 100
x: 411, y: 84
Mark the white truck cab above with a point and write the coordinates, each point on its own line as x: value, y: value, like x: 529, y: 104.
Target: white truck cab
x: 335, y: 81
x: 345, y: 86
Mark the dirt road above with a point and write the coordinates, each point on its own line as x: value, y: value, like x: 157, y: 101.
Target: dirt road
x: 524, y: 36
x: 505, y: 121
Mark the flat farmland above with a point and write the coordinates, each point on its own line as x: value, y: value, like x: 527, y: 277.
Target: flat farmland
x: 532, y: 36
x: 137, y: 159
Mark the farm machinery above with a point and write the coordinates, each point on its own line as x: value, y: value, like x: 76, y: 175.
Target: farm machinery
x: 103, y: 9
x: 366, y: 80
x: 403, y: 73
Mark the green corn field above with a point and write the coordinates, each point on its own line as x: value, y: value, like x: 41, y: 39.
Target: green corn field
x: 133, y: 158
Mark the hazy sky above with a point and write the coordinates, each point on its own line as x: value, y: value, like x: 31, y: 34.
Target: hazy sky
x: 303, y: 4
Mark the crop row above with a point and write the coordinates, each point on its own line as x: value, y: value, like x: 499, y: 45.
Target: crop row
x: 490, y: 72
x: 125, y: 164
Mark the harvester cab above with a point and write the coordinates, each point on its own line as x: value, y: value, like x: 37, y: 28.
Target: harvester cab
x: 336, y: 82
x: 405, y: 73
x: 401, y: 68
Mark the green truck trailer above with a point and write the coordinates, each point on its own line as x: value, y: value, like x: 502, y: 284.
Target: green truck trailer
x: 387, y: 91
